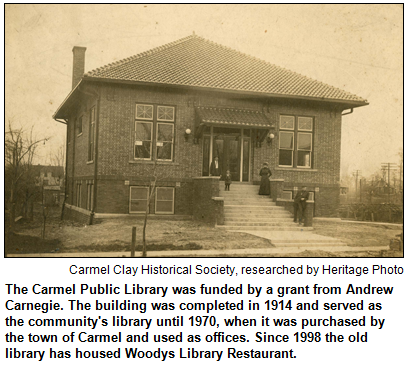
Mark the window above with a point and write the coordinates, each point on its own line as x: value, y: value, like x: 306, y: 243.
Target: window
x: 295, y: 141
x: 154, y: 132
x: 165, y: 113
x: 143, y: 134
x: 78, y: 194
x: 138, y: 199
x: 164, y: 202
x: 165, y: 141
x: 80, y: 124
x: 91, y: 146
x: 144, y: 111
x: 89, y: 200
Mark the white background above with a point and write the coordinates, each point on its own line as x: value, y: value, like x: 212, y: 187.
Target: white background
x: 383, y: 346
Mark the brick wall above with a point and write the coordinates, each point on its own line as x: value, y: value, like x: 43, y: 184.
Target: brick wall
x: 115, y: 154
x: 78, y: 167
x: 204, y: 207
x: 113, y: 195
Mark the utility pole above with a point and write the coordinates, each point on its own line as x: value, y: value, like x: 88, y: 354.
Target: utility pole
x: 361, y: 190
x: 388, y: 167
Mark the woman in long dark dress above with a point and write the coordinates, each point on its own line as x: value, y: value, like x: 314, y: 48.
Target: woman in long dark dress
x: 265, y: 173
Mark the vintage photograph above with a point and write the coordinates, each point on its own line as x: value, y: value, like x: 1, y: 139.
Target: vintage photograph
x: 203, y: 130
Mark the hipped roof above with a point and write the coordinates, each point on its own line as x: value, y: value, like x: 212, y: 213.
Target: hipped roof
x: 199, y: 63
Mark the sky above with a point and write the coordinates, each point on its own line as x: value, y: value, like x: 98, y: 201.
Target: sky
x: 358, y: 48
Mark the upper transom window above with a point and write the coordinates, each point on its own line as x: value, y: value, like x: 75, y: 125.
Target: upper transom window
x: 287, y: 122
x: 304, y: 123
x: 165, y: 113
x: 144, y: 111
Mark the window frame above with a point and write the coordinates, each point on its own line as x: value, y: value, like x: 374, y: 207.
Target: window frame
x: 172, y: 142
x: 80, y: 125
x: 151, y: 139
x: 156, y: 200
x: 166, y: 120
x: 155, y: 121
x: 147, y: 195
x: 297, y: 132
x: 89, y: 198
x: 145, y: 105
x: 292, y: 149
x: 78, y: 194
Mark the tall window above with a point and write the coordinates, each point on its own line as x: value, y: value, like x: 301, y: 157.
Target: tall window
x: 143, y: 135
x: 154, y: 132
x: 78, y: 194
x: 89, y: 199
x: 80, y: 125
x: 165, y: 141
x: 91, y: 146
x: 295, y: 139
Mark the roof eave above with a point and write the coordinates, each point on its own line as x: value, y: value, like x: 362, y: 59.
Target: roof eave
x: 346, y: 103
x: 69, y: 97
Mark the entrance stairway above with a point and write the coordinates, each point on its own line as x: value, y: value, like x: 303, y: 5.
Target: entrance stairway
x: 245, y: 210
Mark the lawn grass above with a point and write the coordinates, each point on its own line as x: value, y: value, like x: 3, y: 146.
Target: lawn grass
x: 356, y: 234
x: 116, y: 234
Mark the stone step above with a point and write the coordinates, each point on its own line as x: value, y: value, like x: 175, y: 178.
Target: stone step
x: 265, y: 228
x: 252, y: 208
x: 258, y: 216
x: 248, y: 203
x: 237, y: 220
x: 240, y: 188
x: 257, y: 223
x: 246, y: 196
x: 254, y: 193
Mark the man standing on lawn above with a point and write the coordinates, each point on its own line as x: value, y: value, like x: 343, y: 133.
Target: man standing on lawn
x: 300, y: 205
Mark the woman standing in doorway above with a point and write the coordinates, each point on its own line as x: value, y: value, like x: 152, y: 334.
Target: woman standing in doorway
x: 265, y: 173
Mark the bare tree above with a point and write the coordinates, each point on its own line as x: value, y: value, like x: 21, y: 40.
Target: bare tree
x: 156, y: 177
x: 57, y: 157
x: 19, y: 153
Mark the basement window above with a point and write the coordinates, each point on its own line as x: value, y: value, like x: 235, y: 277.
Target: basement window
x: 138, y: 199
x: 164, y: 202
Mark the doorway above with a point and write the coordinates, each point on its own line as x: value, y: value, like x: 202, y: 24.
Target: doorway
x: 232, y: 147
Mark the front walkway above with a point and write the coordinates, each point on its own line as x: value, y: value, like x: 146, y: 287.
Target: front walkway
x: 260, y: 252
x: 296, y: 241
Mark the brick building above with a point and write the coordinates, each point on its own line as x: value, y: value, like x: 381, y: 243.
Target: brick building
x: 174, y: 108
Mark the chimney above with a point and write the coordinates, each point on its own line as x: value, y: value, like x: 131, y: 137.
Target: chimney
x: 78, y: 64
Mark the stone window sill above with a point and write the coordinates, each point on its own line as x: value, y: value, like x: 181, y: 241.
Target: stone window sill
x: 297, y: 169
x: 153, y: 162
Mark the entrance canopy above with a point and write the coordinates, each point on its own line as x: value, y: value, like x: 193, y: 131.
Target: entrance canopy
x: 230, y: 117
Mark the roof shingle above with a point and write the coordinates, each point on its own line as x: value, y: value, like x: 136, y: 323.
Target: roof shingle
x: 195, y: 61
x: 231, y: 116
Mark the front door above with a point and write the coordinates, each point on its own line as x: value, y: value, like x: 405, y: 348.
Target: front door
x: 227, y: 149
x: 232, y: 147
